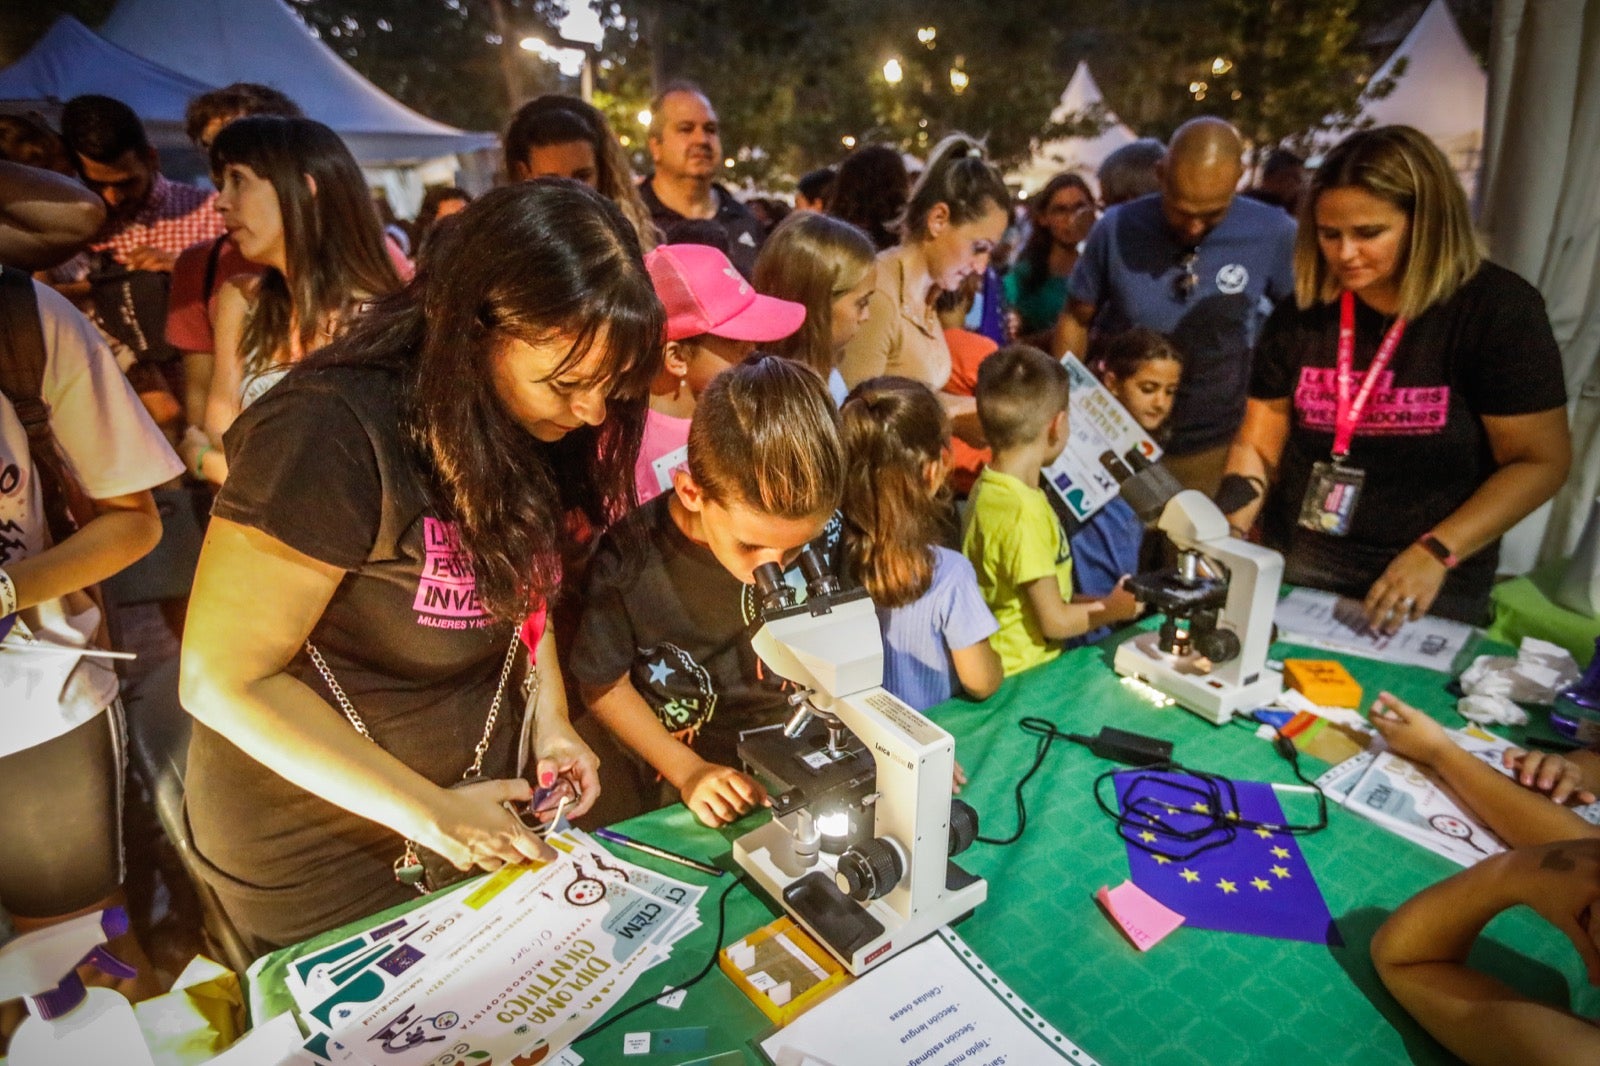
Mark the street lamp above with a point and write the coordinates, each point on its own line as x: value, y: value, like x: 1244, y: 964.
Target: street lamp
x: 573, y: 62
x: 848, y: 141
x: 892, y: 72
x: 644, y: 117
x: 581, y: 35
x: 959, y: 80
x: 927, y: 34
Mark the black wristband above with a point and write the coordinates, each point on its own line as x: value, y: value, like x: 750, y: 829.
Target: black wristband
x: 1236, y: 491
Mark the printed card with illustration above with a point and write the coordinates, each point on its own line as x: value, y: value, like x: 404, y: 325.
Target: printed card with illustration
x: 1105, y: 446
x: 555, y: 948
x: 1406, y: 799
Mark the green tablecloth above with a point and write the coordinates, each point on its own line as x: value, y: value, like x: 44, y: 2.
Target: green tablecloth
x: 1523, y: 608
x: 1199, y: 996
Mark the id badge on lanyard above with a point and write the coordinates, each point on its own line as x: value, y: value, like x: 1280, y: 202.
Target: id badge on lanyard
x: 1334, y: 488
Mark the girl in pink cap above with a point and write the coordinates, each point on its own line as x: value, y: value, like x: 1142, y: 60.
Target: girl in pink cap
x: 714, y: 320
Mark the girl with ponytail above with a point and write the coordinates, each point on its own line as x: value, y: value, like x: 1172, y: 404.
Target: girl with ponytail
x: 935, y: 624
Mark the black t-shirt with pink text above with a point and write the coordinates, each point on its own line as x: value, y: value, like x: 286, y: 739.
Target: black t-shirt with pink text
x: 320, y: 464
x: 1488, y: 350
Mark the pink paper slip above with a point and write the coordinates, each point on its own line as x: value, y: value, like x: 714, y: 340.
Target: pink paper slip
x: 1145, y: 921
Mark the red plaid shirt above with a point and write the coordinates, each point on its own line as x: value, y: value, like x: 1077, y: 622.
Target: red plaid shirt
x: 175, y: 217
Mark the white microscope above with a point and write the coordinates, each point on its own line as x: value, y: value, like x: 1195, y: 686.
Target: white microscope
x: 1210, y: 653
x: 863, y: 823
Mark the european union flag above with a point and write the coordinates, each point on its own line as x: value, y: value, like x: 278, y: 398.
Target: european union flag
x: 1192, y: 847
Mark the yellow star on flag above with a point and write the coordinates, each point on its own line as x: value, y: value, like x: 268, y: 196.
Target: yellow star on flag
x: 1282, y: 853
x: 1262, y: 885
x: 1227, y: 886
x: 1233, y: 816
x: 1280, y: 872
x: 1189, y: 876
x: 1148, y: 837
x: 1263, y: 832
x: 1200, y: 808
x: 1161, y: 860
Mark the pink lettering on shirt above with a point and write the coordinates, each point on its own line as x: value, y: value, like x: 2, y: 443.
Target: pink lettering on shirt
x: 1390, y: 412
x: 447, y: 593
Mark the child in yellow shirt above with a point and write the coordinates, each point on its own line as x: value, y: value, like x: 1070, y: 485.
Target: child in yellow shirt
x: 1013, y: 538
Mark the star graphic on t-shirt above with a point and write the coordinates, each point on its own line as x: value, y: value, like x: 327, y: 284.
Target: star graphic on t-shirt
x: 1190, y: 876
x: 660, y: 671
x: 1282, y: 853
x: 1279, y: 872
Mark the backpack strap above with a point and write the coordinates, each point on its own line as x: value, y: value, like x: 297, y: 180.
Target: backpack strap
x: 22, y: 365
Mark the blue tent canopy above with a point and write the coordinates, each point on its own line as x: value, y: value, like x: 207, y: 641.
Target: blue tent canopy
x: 71, y: 60
x: 155, y: 55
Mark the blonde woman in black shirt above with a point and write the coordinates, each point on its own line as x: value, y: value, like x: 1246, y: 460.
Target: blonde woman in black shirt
x: 1408, y: 407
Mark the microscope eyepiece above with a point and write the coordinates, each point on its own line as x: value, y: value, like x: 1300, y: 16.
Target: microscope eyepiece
x: 820, y: 582
x: 774, y: 591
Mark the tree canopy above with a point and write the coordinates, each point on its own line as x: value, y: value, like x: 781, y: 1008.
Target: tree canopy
x: 796, y: 85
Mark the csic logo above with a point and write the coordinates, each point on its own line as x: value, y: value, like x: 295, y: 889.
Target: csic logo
x: 1232, y: 279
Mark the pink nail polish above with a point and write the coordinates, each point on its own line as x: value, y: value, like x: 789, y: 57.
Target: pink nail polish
x: 547, y: 779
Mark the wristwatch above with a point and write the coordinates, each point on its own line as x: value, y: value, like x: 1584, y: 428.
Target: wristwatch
x: 1437, y: 548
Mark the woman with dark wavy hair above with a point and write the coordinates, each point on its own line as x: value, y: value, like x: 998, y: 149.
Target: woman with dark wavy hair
x: 378, y: 565
x: 555, y: 136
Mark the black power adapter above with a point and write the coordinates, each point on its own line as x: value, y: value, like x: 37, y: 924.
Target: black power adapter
x: 1132, y: 749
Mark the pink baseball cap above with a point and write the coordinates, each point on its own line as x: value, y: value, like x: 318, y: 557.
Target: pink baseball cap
x: 704, y: 293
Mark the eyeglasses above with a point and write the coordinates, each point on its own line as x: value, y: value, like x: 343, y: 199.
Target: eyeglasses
x: 1184, y: 284
x: 1072, y: 209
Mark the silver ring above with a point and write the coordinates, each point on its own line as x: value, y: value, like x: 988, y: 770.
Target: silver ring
x: 1409, y: 602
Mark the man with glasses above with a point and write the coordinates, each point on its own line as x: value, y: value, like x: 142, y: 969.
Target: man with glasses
x: 1200, y: 264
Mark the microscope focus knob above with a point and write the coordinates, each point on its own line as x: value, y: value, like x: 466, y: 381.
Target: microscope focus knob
x: 869, y: 871
x: 1219, y: 645
x: 963, y: 826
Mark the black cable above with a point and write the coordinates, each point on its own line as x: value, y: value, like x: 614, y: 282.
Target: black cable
x: 722, y: 925
x: 1048, y: 734
x: 1215, y: 791
x: 1217, y: 798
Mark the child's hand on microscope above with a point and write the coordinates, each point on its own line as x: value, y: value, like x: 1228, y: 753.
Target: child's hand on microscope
x: 1119, y: 605
x: 957, y: 779
x: 719, y: 795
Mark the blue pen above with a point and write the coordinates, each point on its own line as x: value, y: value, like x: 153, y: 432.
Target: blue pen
x: 613, y: 837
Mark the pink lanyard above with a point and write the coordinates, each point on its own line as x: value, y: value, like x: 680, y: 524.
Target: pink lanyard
x: 1349, y: 412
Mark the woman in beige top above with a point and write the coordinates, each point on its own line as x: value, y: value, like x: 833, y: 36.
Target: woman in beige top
x: 956, y: 214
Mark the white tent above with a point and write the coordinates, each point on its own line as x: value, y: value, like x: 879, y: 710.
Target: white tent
x: 1081, y: 98
x: 224, y: 41
x: 1541, y: 213
x: 1440, y: 89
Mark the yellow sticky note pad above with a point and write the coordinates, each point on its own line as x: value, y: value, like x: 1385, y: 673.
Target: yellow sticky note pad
x: 1324, y: 682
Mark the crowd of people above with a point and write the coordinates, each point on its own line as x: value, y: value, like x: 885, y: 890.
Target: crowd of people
x: 489, y: 491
